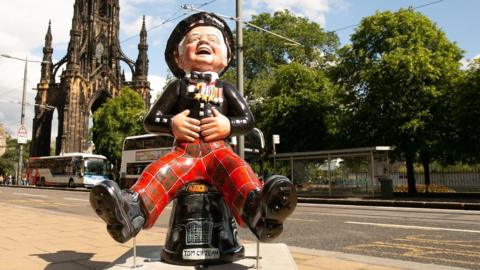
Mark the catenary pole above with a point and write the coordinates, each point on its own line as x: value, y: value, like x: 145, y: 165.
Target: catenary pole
x: 241, y: 141
x: 18, y: 175
x: 22, y: 121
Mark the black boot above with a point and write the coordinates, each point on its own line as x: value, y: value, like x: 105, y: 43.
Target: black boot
x: 120, y: 209
x: 265, y: 211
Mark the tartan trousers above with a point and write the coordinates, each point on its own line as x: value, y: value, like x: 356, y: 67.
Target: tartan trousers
x: 213, y: 162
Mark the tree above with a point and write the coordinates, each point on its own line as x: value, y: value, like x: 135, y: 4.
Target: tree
x: 286, y: 84
x: 9, y: 160
x: 118, y: 118
x: 264, y: 52
x: 468, y: 114
x: 297, y: 107
x: 397, y: 75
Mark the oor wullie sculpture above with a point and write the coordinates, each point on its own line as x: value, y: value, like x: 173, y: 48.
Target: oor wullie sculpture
x: 201, y: 111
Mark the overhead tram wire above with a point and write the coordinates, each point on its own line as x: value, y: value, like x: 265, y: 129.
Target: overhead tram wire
x: 173, y: 17
x: 45, y: 106
x: 156, y: 26
x: 8, y: 91
x: 293, y: 42
x: 414, y: 8
x: 428, y: 4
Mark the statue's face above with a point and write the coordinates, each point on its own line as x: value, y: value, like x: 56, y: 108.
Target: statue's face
x: 202, y: 49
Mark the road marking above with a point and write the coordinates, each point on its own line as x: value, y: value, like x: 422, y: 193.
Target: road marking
x: 30, y: 195
x: 75, y: 199
x: 411, y: 227
x: 387, y: 208
x: 307, y: 220
x: 458, y: 243
x: 418, y: 252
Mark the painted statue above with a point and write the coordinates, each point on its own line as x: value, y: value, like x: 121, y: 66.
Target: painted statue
x: 201, y: 111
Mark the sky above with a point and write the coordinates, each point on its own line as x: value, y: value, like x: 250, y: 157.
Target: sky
x: 23, y: 25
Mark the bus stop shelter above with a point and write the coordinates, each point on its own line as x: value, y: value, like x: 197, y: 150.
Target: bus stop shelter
x: 340, y: 172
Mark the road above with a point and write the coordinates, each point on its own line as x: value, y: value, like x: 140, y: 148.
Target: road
x: 442, y: 237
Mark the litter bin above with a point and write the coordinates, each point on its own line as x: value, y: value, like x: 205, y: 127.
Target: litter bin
x: 386, y: 187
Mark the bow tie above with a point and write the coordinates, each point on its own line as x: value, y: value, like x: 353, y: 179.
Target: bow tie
x: 198, y: 76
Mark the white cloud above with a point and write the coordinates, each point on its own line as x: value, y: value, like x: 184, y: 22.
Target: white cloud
x: 23, y: 25
x: 11, y: 86
x: 248, y: 13
x: 467, y: 62
x: 314, y: 10
x: 156, y: 84
x: 28, y: 20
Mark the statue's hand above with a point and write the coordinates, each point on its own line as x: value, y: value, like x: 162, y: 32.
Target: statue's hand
x: 216, y: 127
x: 184, y: 128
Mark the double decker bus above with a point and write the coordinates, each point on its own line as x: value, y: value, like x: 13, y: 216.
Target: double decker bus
x: 70, y: 169
x: 138, y: 152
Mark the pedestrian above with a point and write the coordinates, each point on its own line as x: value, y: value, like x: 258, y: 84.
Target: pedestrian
x: 24, y: 182
x: 201, y: 112
x: 7, y: 179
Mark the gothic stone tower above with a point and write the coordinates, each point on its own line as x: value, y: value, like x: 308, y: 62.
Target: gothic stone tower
x: 90, y: 76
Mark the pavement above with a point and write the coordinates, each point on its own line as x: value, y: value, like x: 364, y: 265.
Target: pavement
x: 32, y: 238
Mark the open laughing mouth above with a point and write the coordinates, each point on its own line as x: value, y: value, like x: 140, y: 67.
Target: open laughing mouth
x: 203, y: 50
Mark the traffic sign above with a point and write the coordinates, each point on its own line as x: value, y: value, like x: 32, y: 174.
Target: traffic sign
x: 22, y: 135
x: 276, y: 139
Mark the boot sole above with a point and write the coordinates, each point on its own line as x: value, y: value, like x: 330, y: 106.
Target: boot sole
x: 281, y: 188
x: 108, y: 207
x: 269, y: 234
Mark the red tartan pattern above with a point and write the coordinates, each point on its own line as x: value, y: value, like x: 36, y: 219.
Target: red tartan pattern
x: 213, y: 162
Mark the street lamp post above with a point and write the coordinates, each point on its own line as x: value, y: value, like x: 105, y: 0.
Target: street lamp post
x: 22, y: 116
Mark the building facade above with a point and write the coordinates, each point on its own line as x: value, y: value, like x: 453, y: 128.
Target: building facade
x: 89, y: 74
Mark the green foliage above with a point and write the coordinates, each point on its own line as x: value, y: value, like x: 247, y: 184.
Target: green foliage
x: 118, y: 118
x: 468, y: 114
x: 9, y: 160
x: 264, y: 52
x: 286, y: 84
x: 297, y: 107
x: 397, y: 76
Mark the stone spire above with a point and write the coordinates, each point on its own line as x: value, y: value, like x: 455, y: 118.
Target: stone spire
x: 47, y: 56
x: 141, y: 65
x: 75, y: 35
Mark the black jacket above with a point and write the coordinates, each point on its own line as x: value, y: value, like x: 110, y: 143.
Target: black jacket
x: 176, y: 98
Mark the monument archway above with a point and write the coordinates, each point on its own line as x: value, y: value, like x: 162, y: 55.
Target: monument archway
x: 95, y: 103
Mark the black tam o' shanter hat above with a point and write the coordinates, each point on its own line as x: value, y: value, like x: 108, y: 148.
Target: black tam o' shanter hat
x: 187, y: 24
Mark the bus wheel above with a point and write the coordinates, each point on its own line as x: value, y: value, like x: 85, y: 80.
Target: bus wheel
x: 71, y: 183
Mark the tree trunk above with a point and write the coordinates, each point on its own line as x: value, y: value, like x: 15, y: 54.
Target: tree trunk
x: 426, y: 169
x: 410, y: 173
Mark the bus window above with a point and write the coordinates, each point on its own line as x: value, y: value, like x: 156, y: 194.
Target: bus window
x: 94, y: 167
